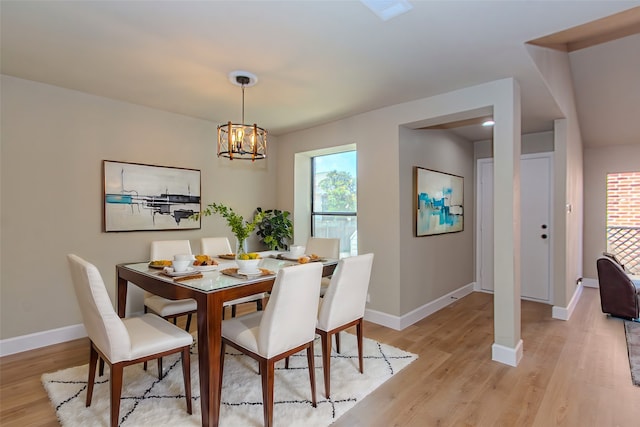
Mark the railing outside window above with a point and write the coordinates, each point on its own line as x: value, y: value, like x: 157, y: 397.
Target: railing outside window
x: 344, y: 227
x: 624, y: 242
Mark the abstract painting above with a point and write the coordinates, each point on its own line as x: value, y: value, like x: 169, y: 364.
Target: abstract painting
x: 439, y: 198
x: 140, y: 197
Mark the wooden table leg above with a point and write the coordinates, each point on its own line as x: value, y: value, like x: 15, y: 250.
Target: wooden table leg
x: 209, y: 346
x: 122, y: 296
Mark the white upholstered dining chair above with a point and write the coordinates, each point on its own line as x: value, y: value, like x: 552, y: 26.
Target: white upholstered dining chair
x: 286, y: 326
x: 325, y: 247
x: 122, y: 342
x: 214, y: 246
x: 343, y: 307
x: 164, y: 307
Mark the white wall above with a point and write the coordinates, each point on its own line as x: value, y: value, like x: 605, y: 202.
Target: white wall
x: 555, y: 69
x: 433, y: 266
x: 53, y: 143
x: 538, y: 142
x: 378, y: 217
x: 382, y: 221
x: 598, y: 162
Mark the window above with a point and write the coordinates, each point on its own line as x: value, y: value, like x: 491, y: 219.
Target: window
x: 334, y: 199
x: 623, y: 218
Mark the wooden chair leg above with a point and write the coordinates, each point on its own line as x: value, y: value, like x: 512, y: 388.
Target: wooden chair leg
x: 188, y: 322
x: 233, y: 310
x: 359, y: 337
x: 268, y: 374
x: 93, y: 359
x: 259, y: 305
x: 160, y: 375
x: 338, y: 342
x: 186, y: 373
x: 286, y: 362
x: 175, y: 320
x: 312, y: 373
x: 325, y: 339
x: 116, y: 392
x: 100, y: 366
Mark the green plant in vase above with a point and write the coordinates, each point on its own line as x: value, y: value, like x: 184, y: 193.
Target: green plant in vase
x: 239, y: 227
x: 275, y: 229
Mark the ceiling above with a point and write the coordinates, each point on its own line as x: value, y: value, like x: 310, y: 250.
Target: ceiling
x: 319, y: 61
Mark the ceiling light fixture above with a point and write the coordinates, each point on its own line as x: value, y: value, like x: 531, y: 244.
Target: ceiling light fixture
x: 488, y: 122
x: 387, y: 9
x: 241, y: 141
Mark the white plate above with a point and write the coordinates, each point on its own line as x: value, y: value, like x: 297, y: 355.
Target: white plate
x: 205, y: 267
x: 169, y: 272
x: 250, y: 273
x: 288, y: 256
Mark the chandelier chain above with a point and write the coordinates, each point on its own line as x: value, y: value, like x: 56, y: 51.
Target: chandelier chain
x: 242, y: 104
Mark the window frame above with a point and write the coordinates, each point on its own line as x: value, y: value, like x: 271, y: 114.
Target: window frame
x: 313, y: 193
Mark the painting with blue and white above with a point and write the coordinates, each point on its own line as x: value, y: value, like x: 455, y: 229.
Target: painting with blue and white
x: 140, y: 197
x: 439, y: 202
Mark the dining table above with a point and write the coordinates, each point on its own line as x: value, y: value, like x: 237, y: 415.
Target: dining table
x: 210, y: 291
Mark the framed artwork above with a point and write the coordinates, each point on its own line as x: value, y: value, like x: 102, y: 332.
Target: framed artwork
x: 140, y: 197
x: 438, y: 200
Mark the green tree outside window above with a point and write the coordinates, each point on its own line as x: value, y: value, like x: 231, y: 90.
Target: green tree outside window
x: 340, y: 192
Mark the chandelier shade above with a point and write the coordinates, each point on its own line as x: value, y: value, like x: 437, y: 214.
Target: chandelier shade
x: 242, y: 141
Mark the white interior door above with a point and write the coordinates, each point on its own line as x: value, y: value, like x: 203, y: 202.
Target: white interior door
x: 535, y: 216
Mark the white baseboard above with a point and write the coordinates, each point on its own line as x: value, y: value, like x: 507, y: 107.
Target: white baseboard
x: 564, y: 313
x: 400, y: 322
x: 384, y: 319
x: 41, y: 339
x: 507, y: 355
x: 56, y: 336
x: 590, y: 283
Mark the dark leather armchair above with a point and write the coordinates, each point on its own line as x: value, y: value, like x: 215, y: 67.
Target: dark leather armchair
x: 618, y: 294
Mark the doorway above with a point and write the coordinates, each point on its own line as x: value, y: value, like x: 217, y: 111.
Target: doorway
x: 536, y: 180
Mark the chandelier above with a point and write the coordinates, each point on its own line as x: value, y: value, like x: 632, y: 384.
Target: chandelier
x: 242, y: 141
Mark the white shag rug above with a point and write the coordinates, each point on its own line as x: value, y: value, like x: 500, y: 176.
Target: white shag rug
x: 147, y: 401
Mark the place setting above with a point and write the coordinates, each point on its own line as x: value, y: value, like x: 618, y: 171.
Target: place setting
x: 296, y: 254
x: 185, y: 266
x: 248, y: 267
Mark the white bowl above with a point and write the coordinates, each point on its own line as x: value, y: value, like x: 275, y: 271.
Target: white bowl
x: 248, y: 266
x: 183, y: 257
x: 181, y: 265
x: 296, y: 251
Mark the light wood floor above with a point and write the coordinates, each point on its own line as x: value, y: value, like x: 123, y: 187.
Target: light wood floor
x: 573, y: 373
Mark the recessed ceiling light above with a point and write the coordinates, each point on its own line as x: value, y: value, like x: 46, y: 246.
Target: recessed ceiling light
x: 387, y: 9
x: 488, y: 122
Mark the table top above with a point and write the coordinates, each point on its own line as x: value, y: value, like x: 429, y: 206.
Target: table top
x: 215, y: 280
